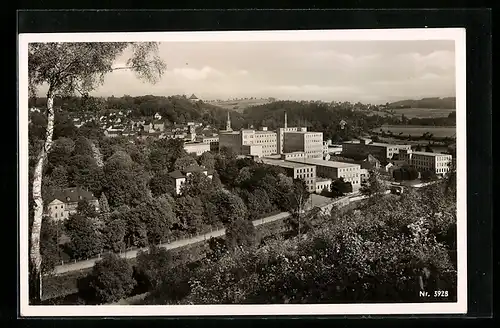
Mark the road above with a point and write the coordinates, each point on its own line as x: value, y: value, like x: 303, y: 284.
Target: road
x: 81, y: 265
x: 316, y: 201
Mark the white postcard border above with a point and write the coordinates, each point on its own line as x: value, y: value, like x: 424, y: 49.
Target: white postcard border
x: 456, y: 34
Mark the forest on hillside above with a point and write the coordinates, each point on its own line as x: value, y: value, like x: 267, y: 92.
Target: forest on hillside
x: 436, y: 102
x: 315, y: 115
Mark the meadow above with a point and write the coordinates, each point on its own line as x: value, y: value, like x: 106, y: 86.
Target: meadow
x: 423, y: 112
x: 240, y: 105
x: 418, y: 130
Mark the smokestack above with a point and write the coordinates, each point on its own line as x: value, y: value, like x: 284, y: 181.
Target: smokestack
x: 285, y: 121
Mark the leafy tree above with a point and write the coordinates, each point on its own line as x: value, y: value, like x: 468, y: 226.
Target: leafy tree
x: 137, y: 231
x: 111, y: 279
x: 49, y: 245
x: 114, y: 235
x: 207, y: 160
x: 387, y: 253
x: 161, y: 183
x: 83, y: 147
x: 104, y: 206
x: 125, y: 182
x: 84, y: 172
x: 85, y: 209
x: 58, y: 178
x: 405, y: 173
x: 152, y: 266
x: 340, y: 187
x: 373, y: 186
x: 428, y: 175
x: 197, y: 184
x: 428, y: 148
x: 241, y: 233
x: 63, y: 126
x: 216, y: 180
x: 189, y: 212
x: 158, y: 216
x: 184, y: 162
x: 85, y: 241
x: 225, y: 207
x: 66, y: 68
x: 165, y: 152
x: 258, y: 203
x: 61, y: 152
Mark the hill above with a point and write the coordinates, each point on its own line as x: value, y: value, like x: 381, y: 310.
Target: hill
x: 173, y: 109
x: 435, y: 103
x: 239, y: 105
x: 317, y: 116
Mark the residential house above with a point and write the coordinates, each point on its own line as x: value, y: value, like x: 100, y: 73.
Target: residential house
x: 63, y: 202
x: 180, y: 176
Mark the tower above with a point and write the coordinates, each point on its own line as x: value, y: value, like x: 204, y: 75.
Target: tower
x: 228, y: 123
x: 285, y: 121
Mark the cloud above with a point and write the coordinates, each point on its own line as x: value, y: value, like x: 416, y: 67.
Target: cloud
x: 440, y: 59
x: 430, y: 76
x: 197, y: 74
x: 313, y: 89
x: 241, y: 72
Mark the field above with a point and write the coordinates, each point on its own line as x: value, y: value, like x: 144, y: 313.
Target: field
x: 414, y: 112
x: 240, y: 105
x: 418, y: 130
x: 423, y: 112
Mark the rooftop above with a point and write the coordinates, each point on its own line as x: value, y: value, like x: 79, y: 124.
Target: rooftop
x: 265, y: 132
x: 377, y: 144
x: 303, y: 132
x: 424, y: 153
x: 70, y: 195
x: 321, y: 162
x: 282, y: 163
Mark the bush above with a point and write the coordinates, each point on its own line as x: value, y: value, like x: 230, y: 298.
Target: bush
x: 111, y: 279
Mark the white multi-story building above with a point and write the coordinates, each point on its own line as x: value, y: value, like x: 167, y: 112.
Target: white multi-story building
x: 197, y: 148
x: 350, y: 172
x: 265, y: 143
x: 364, y: 147
x: 438, y: 163
x: 296, y: 170
x: 268, y: 141
x: 311, y: 143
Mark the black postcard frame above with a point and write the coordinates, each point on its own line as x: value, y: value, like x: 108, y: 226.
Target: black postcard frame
x: 479, y: 99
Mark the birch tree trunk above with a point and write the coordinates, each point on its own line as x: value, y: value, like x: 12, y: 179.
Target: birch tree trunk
x: 35, y: 255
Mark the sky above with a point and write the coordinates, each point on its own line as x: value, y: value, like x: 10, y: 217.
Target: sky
x: 365, y: 71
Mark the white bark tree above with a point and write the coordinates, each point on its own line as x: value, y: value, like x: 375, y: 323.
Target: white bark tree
x: 68, y: 69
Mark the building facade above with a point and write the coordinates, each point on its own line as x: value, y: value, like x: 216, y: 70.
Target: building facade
x: 323, y: 184
x: 197, y: 148
x: 179, y: 177
x: 350, y: 172
x: 311, y: 143
x: 365, y: 147
x: 296, y: 171
x: 438, y: 163
x: 64, y: 202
